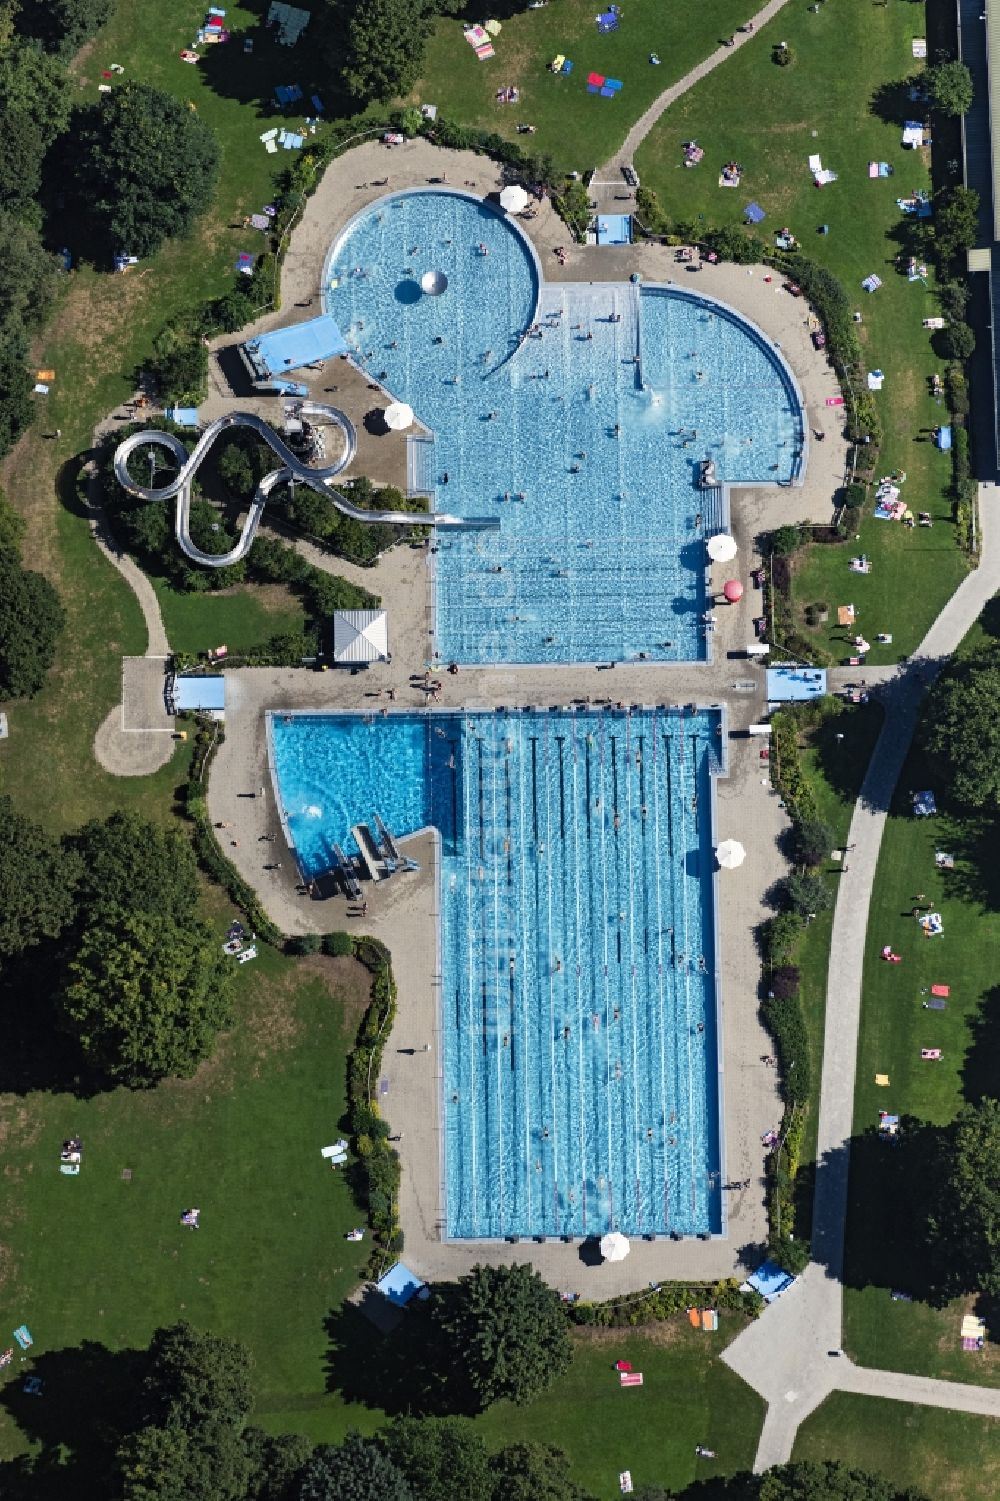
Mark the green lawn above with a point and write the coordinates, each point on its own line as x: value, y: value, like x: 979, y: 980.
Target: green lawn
x: 100, y: 336
x: 771, y: 120
x: 835, y: 770
x: 579, y: 130
x: 941, y: 1454
x: 689, y: 1397
x: 96, y: 1258
x: 240, y: 617
x: 883, y: 1241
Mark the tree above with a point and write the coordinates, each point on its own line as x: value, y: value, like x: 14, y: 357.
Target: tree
x: 812, y: 842
x: 356, y: 1470
x: 62, y: 26
x: 956, y: 341
x: 146, y: 996
x: 275, y: 1463
x: 27, y: 280
x: 34, y: 110
x: 824, y: 1480
x: 195, y: 1399
x: 385, y: 47
x: 963, y: 1219
x: 147, y: 167
x: 31, y: 620
x: 962, y: 732
x: 136, y: 865
x: 533, y: 1472
x: 441, y: 1458
x: 956, y: 223
x: 37, y: 883
x: 179, y: 365
x: 511, y: 1330
x: 950, y: 88
x: 806, y: 893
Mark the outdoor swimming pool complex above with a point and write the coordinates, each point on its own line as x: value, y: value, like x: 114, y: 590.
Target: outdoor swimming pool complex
x: 581, y: 1057
x: 578, y: 414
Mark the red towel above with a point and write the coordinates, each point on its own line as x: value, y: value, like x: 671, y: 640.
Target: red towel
x: 597, y: 78
x: 623, y: 1365
x: 107, y: 75
x: 940, y: 990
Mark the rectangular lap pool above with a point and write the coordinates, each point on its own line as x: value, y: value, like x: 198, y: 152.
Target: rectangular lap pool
x: 582, y: 1084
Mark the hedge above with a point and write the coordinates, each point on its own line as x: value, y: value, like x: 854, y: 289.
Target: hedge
x: 206, y: 847
x: 377, y: 1164
x: 664, y: 1301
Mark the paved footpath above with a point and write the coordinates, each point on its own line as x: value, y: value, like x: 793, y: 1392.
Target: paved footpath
x: 609, y: 174
x: 785, y: 1355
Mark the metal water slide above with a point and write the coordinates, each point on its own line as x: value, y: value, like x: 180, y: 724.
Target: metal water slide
x: 318, y: 478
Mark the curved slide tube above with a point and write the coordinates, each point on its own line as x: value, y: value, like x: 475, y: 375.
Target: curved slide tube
x: 319, y: 479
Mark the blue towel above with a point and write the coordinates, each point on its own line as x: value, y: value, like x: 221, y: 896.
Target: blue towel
x: 317, y: 104
x: 567, y: 66
x: 593, y: 88
x: 614, y: 84
x: 607, y: 93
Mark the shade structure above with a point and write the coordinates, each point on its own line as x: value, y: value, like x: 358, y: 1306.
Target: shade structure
x: 398, y: 416
x: 493, y: 27
x: 722, y: 548
x: 433, y: 283
x: 730, y: 854
x: 733, y: 590
x: 614, y: 1246
x: 514, y: 199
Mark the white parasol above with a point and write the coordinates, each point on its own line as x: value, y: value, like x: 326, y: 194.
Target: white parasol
x: 722, y: 548
x: 730, y: 854
x: 398, y: 417
x: 514, y: 199
x: 614, y: 1246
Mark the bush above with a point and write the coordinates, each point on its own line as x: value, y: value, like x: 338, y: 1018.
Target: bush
x: 784, y: 1020
x: 179, y: 365
x: 304, y: 943
x: 956, y: 341
x: 780, y: 936
x: 784, y: 541
x: 806, y: 893
x: 812, y: 841
x: 956, y: 390
x: 338, y: 945
x: 783, y: 982
x: 782, y: 54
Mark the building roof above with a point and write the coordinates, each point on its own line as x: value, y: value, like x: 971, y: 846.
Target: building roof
x: 200, y: 691
x: 360, y: 636
x: 399, y: 1285
x: 285, y: 349
x: 792, y: 684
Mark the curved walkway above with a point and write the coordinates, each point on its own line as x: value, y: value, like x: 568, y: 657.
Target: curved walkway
x: 120, y: 751
x: 785, y: 1355
x: 640, y: 130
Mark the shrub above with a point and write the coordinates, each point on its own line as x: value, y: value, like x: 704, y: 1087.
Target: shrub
x: 783, y: 982
x: 179, y: 365
x: 956, y: 341
x: 304, y: 943
x: 782, y: 54
x: 784, y: 1020
x: 785, y: 541
x: 780, y: 936
x: 806, y: 893
x: 338, y: 945
x: 812, y: 841
x: 956, y: 390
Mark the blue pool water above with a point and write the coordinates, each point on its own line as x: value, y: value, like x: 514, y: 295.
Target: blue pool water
x: 581, y: 1087
x: 542, y: 417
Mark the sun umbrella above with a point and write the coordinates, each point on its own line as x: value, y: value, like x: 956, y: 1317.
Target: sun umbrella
x: 722, y: 548
x: 730, y: 854
x: 433, y: 283
x: 514, y: 199
x: 733, y: 590
x: 398, y: 417
x: 614, y: 1246
x: 493, y: 27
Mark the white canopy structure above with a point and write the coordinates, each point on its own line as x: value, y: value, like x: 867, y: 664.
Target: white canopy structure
x: 730, y: 854
x: 398, y: 417
x: 614, y: 1246
x: 514, y: 199
x: 360, y: 636
x: 722, y: 548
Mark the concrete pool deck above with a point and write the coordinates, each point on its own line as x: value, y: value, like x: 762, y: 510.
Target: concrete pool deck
x: 403, y: 911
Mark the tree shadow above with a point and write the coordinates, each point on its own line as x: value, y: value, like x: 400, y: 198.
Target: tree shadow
x: 37, y: 1053
x: 971, y: 841
x: 982, y: 1061
x: 409, y: 1369
x: 889, y: 1191
x: 892, y: 104
x: 88, y: 1400
x: 251, y: 77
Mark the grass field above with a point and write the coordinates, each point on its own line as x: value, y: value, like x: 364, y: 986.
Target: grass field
x: 579, y: 130
x: 950, y: 1456
x: 240, y: 617
x: 100, y: 336
x: 771, y: 120
x: 883, y: 1243
x: 99, y: 1259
